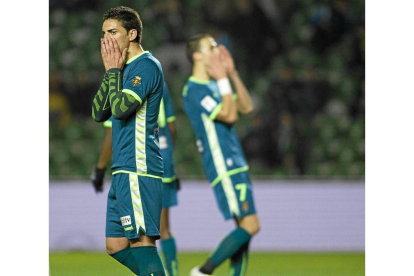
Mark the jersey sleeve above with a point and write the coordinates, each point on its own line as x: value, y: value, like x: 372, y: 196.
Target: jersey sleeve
x: 203, y: 100
x: 142, y: 80
x: 108, y: 123
x: 169, y: 110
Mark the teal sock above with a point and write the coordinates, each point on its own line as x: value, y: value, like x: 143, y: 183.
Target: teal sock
x: 126, y: 258
x: 170, y: 256
x: 228, y: 246
x: 239, y: 261
x: 148, y: 260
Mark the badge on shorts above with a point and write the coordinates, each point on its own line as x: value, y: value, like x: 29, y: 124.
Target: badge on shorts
x: 126, y: 220
x: 245, y: 206
x: 136, y: 81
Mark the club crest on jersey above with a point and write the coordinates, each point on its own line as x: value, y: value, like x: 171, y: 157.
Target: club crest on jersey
x: 136, y: 81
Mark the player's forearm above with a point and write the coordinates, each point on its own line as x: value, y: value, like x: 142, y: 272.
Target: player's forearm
x: 228, y: 112
x: 100, y: 104
x: 106, y: 152
x: 123, y: 103
x: 244, y: 103
x: 173, y: 131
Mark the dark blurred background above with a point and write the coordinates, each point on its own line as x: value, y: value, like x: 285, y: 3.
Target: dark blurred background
x: 303, y: 62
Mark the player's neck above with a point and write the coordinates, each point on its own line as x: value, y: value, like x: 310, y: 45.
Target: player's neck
x: 134, y: 49
x: 200, y: 73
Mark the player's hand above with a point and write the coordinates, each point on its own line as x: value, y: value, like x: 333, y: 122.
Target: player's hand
x: 178, y: 184
x: 97, y: 178
x: 215, y: 67
x: 111, y: 55
x: 227, y: 59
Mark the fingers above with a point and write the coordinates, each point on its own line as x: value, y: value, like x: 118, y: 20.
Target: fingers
x: 124, y: 53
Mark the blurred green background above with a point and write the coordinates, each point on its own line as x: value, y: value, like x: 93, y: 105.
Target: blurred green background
x: 303, y: 62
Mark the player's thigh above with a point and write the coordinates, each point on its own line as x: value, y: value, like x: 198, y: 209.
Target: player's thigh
x: 116, y: 244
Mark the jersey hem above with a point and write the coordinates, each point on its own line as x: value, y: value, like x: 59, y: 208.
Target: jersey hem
x: 137, y: 173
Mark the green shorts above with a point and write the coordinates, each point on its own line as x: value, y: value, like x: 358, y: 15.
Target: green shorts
x: 134, y: 204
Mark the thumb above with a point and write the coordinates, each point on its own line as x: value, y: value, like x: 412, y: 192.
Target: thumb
x: 124, y: 52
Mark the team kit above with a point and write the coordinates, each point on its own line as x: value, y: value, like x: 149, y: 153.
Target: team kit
x: 135, y: 104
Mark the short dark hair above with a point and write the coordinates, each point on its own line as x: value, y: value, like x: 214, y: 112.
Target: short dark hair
x: 193, y: 45
x: 129, y: 19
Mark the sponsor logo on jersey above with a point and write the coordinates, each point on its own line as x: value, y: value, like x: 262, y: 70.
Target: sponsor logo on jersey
x: 208, y: 103
x: 136, y: 81
x: 126, y: 220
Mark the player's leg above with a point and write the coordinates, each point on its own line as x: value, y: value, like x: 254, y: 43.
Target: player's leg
x: 238, y: 260
x: 234, y: 196
x: 168, y: 245
x: 138, y: 207
x: 117, y: 245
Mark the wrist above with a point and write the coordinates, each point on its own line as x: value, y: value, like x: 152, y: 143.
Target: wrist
x: 114, y: 70
x: 224, y: 86
x: 233, y: 74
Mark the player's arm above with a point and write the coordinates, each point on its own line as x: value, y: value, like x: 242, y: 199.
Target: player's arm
x: 243, y: 102
x: 227, y: 108
x: 173, y: 131
x: 169, y: 113
x: 106, y: 152
x: 100, y: 104
x: 123, y: 102
x: 98, y: 173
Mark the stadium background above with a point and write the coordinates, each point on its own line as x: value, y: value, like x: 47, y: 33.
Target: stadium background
x: 303, y: 62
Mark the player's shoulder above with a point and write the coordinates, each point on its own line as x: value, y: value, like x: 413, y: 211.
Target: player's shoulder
x: 147, y: 62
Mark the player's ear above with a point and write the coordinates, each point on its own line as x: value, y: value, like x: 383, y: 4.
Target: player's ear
x: 132, y: 34
x: 197, y: 56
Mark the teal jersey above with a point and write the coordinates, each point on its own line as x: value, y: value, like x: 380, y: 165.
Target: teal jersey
x: 165, y: 116
x: 221, y: 152
x: 166, y: 145
x: 135, y: 139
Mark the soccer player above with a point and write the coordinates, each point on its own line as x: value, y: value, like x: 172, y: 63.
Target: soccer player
x: 131, y: 93
x: 213, y: 109
x: 167, y: 134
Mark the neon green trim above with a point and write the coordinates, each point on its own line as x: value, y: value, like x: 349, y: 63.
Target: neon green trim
x: 215, y: 112
x: 133, y: 94
x: 235, y: 97
x: 229, y: 173
x: 185, y: 90
x: 129, y: 228
x: 135, y: 57
x: 136, y: 173
x: 194, y: 79
x: 161, y: 115
x: 220, y: 164
x: 140, y: 138
x: 107, y: 124
x: 169, y: 179
x: 136, y: 202
x: 171, y: 119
